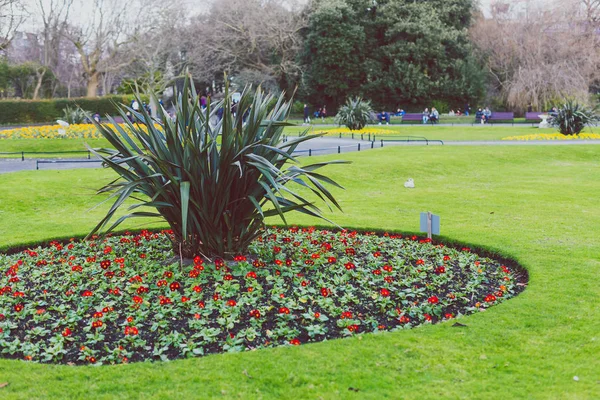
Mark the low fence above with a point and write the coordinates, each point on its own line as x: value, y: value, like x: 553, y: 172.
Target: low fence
x: 22, y: 154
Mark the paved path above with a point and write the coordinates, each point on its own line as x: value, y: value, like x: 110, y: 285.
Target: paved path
x: 318, y: 146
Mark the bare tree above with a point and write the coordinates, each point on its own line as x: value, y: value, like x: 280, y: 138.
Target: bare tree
x: 546, y: 56
x: 255, y: 35
x: 12, y: 15
x: 100, y: 38
x: 54, y: 15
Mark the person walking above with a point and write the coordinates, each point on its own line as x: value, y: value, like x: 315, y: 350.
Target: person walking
x: 306, y: 115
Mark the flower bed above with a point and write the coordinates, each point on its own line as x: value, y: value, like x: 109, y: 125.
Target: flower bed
x: 121, y: 299
x: 365, y: 131
x: 554, y: 136
x: 75, y: 131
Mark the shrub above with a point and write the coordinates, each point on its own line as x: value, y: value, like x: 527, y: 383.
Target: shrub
x: 355, y: 114
x: 75, y: 115
x: 28, y: 111
x: 572, y: 117
x: 213, y: 193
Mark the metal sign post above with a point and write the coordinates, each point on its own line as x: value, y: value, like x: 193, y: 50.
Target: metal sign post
x: 430, y: 223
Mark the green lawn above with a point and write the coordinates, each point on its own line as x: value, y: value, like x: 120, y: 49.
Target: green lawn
x: 538, y: 204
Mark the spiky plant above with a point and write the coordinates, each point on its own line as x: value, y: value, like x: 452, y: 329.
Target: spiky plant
x: 572, y: 117
x: 214, y: 185
x: 355, y: 114
x: 75, y: 115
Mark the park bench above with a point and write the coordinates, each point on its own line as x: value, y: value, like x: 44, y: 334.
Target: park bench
x: 533, y: 116
x: 415, y: 117
x: 499, y: 116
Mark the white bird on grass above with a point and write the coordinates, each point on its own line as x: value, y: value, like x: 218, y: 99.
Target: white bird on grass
x: 410, y: 183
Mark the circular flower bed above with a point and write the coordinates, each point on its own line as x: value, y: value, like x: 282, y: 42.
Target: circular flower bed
x: 123, y: 298
x: 74, y: 131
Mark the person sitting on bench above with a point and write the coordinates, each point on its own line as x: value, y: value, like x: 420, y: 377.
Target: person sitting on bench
x: 434, y: 116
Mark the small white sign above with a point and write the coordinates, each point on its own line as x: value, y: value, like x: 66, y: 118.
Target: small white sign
x: 430, y: 223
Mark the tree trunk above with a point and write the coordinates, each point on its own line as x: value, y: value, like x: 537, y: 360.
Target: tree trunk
x: 38, y: 85
x: 92, y: 85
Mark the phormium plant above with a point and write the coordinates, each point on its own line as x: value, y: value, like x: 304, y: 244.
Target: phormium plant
x: 355, y: 114
x: 572, y: 117
x: 214, y: 185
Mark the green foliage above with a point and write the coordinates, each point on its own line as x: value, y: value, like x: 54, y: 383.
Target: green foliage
x: 214, y: 191
x: 27, y: 111
x: 572, y: 117
x: 355, y: 114
x: 386, y: 52
x: 441, y: 105
x: 74, y: 115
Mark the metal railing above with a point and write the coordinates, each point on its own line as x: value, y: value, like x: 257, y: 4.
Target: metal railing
x: 23, y: 153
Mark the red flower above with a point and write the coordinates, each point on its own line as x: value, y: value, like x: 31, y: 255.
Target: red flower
x: 197, y: 289
x: 77, y: 268
x: 304, y: 283
x: 131, y: 330
x: 231, y: 303
x: 174, y: 286
x: 317, y: 315
x: 251, y: 274
x: 433, y: 300
x: 506, y: 270
x: 446, y: 258
x: 449, y: 315
x: 138, y: 300
x: 239, y: 258
x: 420, y: 261
x: 142, y: 289
x: 161, y: 282
x: 350, y: 251
x: 87, y: 293
x: 490, y: 298
x: 92, y: 360
x: 228, y: 277
x: 168, y: 274
x: 98, y: 315
x: 331, y: 260
x: 404, y: 319
x: 18, y: 307
x: 384, y: 292
x: 201, y: 304
x: 184, y: 299
x: 349, y: 265
x: 295, y: 342
x: 353, y: 328
x: 105, y: 264
x: 97, y: 324
x: 377, y: 272
x: 388, y: 279
x: 107, y: 249
x: 130, y: 319
x: 427, y: 317
x: 440, y: 270
x: 142, y: 255
x: 198, y: 260
x: 255, y: 314
x: 346, y: 315
x: 325, y: 292
x: 284, y: 310
x: 377, y: 254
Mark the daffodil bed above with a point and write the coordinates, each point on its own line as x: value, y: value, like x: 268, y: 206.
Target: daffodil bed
x: 555, y: 136
x: 365, y: 131
x: 126, y: 298
x: 75, y: 131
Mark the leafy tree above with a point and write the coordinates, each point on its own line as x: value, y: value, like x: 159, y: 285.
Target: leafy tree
x: 392, y: 52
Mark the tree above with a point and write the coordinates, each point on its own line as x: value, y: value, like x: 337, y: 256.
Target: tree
x: 238, y: 36
x: 12, y: 15
x: 99, y: 38
x: 54, y: 15
x: 391, y: 52
x: 545, y: 56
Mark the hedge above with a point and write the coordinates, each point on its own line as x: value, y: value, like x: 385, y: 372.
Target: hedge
x: 28, y: 111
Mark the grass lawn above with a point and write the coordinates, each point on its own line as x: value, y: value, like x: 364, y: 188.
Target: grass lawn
x: 538, y: 204
x: 49, y: 145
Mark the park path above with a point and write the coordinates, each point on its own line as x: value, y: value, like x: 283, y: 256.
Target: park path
x: 318, y: 146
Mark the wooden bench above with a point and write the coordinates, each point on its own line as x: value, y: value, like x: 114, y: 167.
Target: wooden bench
x: 499, y: 116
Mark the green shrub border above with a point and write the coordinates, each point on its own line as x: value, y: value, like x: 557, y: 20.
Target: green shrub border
x: 35, y: 111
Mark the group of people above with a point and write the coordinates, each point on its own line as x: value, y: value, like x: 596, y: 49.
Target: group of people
x: 432, y: 116
x: 483, y: 115
x: 320, y: 113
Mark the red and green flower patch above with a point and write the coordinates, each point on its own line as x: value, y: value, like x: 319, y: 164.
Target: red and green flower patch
x: 122, y: 299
